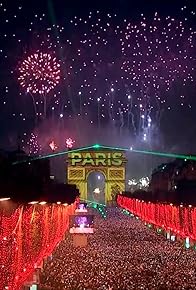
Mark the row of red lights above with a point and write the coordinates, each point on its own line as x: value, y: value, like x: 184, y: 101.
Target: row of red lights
x: 180, y: 219
x: 27, y: 236
x: 181, y: 205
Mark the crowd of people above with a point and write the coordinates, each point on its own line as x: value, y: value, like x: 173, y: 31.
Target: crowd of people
x: 122, y: 254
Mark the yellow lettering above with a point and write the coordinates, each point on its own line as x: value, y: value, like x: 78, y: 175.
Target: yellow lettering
x: 117, y: 159
x: 96, y: 159
x: 109, y: 159
x: 100, y: 158
x: 88, y: 160
x: 75, y: 158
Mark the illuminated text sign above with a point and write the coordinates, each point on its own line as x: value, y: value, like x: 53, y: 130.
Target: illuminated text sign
x: 96, y: 159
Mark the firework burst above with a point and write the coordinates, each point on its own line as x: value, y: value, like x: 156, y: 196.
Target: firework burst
x: 39, y: 74
x: 69, y: 143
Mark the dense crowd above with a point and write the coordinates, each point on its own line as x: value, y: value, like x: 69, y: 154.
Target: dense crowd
x: 122, y: 254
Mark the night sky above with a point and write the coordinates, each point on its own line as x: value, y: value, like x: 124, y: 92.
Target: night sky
x: 116, y: 76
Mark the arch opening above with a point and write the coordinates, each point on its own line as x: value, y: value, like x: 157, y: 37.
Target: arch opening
x: 96, y: 187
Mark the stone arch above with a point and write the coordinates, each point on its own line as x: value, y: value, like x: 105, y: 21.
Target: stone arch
x: 111, y: 163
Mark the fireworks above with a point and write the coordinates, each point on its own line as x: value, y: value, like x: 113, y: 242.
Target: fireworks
x: 39, y: 73
x: 123, y: 73
x: 142, y: 183
x: 69, y: 143
x: 33, y: 147
x: 130, y: 84
x: 53, y: 145
x: 157, y: 54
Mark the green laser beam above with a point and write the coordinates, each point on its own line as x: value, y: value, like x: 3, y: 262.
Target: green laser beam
x: 52, y: 155
x: 162, y: 154
x: 97, y: 146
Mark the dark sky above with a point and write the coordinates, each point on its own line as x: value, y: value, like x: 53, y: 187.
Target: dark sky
x: 124, y: 8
